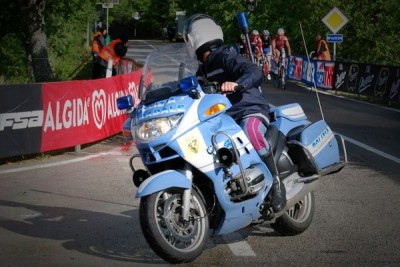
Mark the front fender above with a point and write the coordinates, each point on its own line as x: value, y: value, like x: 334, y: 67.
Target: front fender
x: 161, y: 181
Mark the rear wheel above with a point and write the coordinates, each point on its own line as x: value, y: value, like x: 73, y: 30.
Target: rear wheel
x: 297, y: 218
x: 266, y: 75
x: 172, y: 238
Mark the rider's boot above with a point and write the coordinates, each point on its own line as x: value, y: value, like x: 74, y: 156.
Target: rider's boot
x: 278, y: 194
x: 278, y: 191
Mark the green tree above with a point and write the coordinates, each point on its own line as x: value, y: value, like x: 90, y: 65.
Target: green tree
x: 47, y: 39
x: 51, y: 34
x: 35, y: 39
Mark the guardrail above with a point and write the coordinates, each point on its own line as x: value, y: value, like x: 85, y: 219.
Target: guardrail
x: 36, y: 118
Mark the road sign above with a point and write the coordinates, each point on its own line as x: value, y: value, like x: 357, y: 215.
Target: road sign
x: 334, y: 38
x: 335, y: 20
x: 108, y: 5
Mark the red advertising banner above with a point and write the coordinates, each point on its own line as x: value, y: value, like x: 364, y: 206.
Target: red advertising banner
x: 80, y: 112
x: 297, y: 70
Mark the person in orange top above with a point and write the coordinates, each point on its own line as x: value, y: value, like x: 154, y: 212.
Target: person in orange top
x: 114, y: 51
x: 322, y: 52
x: 98, y: 43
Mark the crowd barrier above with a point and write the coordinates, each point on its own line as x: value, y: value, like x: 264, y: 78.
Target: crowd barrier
x: 379, y: 82
x: 36, y: 118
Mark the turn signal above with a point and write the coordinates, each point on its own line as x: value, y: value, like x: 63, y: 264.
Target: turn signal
x: 215, y: 109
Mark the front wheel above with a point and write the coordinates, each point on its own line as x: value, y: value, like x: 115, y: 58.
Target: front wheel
x: 172, y: 238
x: 297, y: 218
x: 282, y: 78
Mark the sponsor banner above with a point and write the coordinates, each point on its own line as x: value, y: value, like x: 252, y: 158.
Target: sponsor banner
x: 394, y: 85
x: 307, y: 72
x: 319, y: 74
x: 291, y: 67
x: 341, y: 76
x: 298, y: 61
x: 321, y: 71
x: 324, y: 74
x: 80, y: 112
x: 380, y: 82
x: 21, y: 116
x: 367, y: 79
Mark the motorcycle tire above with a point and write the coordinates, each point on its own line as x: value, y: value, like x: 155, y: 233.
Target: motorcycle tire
x: 281, y: 84
x: 296, y: 219
x: 171, y: 238
x: 282, y: 79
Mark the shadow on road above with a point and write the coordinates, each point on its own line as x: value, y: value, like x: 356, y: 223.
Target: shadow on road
x: 115, y: 237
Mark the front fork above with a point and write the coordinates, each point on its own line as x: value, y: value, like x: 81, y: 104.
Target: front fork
x: 186, y: 193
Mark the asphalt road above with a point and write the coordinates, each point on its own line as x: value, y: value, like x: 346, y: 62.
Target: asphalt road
x: 371, y: 129
x: 79, y: 208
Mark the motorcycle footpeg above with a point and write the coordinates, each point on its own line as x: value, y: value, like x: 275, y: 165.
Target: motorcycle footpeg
x: 267, y: 213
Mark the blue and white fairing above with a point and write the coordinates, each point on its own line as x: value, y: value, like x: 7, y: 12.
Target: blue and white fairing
x: 191, y: 140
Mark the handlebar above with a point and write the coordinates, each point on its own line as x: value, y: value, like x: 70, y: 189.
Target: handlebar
x: 215, y: 88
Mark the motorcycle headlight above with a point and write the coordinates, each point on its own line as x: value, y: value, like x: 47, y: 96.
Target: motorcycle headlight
x: 152, y: 129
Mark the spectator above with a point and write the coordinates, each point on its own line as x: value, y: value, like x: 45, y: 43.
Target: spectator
x: 98, y: 43
x: 114, y: 51
x: 249, y: 106
x: 322, y: 51
x: 242, y: 45
x: 171, y: 32
x: 165, y: 33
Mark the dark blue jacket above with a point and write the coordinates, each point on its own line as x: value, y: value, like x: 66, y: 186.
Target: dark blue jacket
x: 222, y: 66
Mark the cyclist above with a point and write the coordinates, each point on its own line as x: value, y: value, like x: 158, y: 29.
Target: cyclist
x: 256, y: 46
x: 266, y: 42
x: 242, y: 45
x: 279, y: 42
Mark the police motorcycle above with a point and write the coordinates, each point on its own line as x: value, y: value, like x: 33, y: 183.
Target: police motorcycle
x: 202, y: 176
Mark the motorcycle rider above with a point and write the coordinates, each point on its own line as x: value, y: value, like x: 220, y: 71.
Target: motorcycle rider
x: 249, y: 107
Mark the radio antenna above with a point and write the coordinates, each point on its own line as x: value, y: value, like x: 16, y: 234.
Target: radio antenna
x: 312, y: 72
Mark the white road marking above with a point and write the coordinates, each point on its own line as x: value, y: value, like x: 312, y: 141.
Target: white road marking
x: 364, y: 146
x: 58, y: 163
x: 122, y: 160
x: 238, y: 246
x: 367, y: 147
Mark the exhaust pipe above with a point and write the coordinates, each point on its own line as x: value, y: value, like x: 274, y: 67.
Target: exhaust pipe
x: 294, y: 194
x: 298, y: 191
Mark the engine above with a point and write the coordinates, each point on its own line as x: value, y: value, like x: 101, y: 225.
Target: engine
x: 240, y: 188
